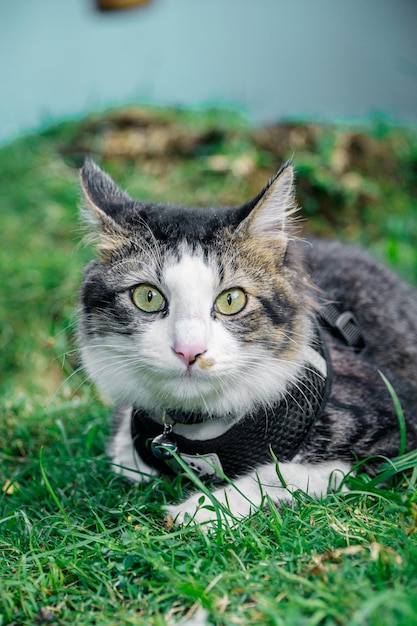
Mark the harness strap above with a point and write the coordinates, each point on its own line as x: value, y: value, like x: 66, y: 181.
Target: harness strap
x: 344, y: 325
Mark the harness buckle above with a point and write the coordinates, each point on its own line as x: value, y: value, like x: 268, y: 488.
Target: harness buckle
x: 348, y: 327
x: 345, y: 324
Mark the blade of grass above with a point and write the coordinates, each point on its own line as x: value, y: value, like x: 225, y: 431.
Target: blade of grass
x: 400, y: 414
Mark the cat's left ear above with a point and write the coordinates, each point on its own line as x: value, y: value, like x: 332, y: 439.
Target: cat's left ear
x: 271, y: 216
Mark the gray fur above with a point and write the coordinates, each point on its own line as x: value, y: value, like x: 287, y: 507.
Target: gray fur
x: 360, y: 416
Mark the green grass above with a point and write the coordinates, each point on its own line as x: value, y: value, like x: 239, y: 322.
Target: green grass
x: 78, y: 542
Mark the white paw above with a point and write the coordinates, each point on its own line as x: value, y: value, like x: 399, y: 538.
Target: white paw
x: 192, y: 511
x: 224, y: 505
x: 231, y: 503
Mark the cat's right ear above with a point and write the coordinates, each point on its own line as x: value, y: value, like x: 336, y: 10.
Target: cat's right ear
x: 106, y: 203
x: 269, y: 222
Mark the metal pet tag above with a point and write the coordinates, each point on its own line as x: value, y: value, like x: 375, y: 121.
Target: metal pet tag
x: 163, y: 445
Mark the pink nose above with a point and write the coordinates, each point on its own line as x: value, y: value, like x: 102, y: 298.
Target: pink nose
x: 188, y: 353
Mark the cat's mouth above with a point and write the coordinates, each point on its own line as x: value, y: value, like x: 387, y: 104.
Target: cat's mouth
x: 200, y: 363
x: 190, y: 388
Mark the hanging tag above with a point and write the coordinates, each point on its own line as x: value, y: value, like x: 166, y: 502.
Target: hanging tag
x: 206, y: 466
x: 164, y: 445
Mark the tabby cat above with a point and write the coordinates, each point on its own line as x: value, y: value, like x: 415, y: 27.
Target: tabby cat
x: 232, y: 347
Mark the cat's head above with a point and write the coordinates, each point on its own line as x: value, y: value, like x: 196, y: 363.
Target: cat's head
x: 194, y: 309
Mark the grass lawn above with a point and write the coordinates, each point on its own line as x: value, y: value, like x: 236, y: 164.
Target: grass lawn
x: 78, y: 543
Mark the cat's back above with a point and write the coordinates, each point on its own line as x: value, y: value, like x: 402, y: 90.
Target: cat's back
x: 385, y: 306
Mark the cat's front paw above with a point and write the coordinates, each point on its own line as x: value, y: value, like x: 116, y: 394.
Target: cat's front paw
x: 197, y: 509
x: 223, y: 506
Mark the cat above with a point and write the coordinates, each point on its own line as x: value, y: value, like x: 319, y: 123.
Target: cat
x: 233, y: 347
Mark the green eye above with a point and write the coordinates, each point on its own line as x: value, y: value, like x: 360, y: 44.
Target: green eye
x: 148, y: 299
x: 231, y: 301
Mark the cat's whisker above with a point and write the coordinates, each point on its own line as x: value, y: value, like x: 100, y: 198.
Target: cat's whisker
x: 66, y: 381
x: 110, y: 368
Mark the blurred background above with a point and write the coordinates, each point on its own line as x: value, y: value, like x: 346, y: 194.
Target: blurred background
x: 272, y: 59
x: 194, y: 102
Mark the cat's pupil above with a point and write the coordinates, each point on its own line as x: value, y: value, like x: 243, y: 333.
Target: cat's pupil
x: 229, y: 299
x: 150, y: 296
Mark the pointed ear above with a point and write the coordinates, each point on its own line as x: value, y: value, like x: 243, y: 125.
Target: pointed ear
x: 270, y: 218
x: 106, y: 202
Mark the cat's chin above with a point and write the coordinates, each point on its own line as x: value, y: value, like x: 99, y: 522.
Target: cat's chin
x: 187, y: 391
x: 217, y: 397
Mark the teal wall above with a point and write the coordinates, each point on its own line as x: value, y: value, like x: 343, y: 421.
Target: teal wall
x: 272, y: 58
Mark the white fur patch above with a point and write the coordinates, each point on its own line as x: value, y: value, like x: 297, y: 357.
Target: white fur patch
x: 249, y: 492
x: 316, y: 360
x: 123, y: 454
